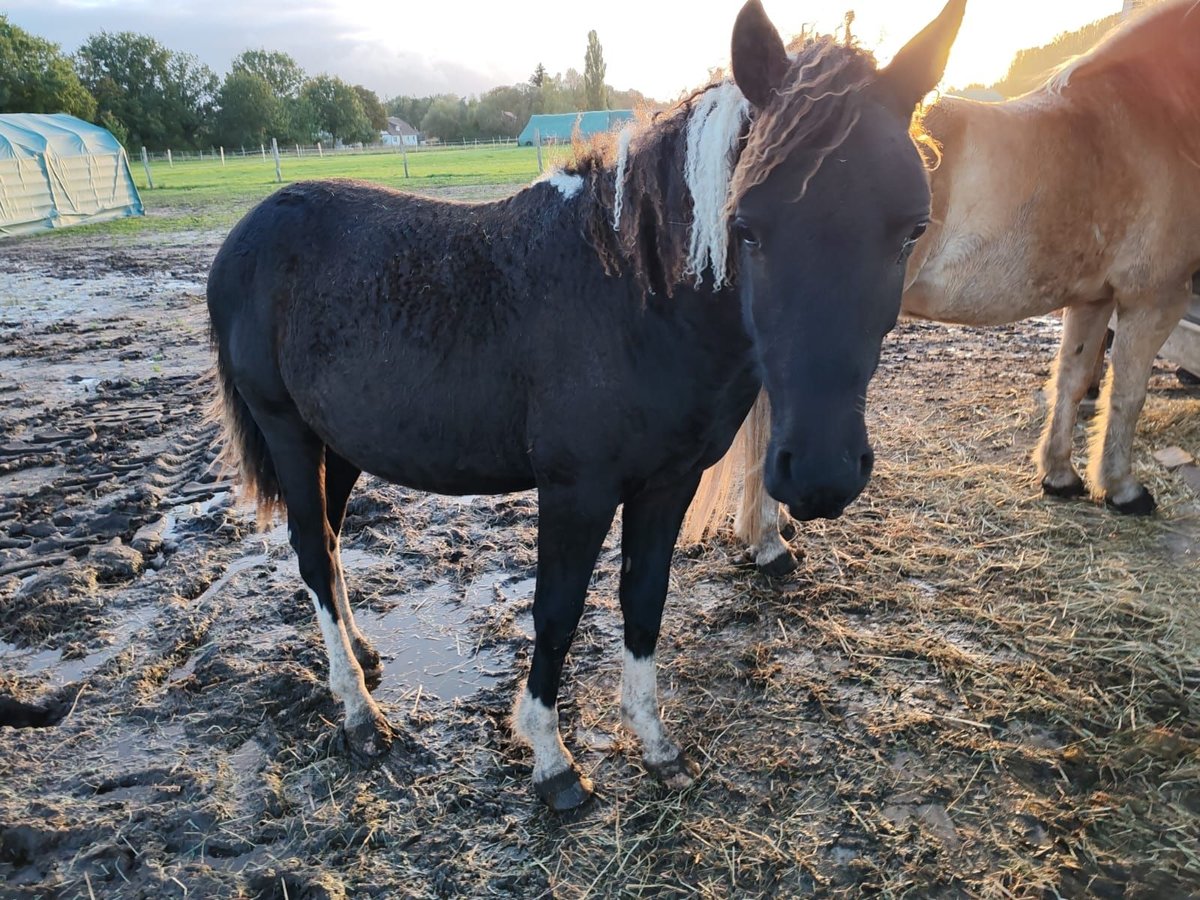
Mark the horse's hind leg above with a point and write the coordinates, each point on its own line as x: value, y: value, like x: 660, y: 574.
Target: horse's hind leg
x: 1141, y: 330
x: 757, y: 520
x: 650, y: 525
x: 298, y: 456
x: 1084, y: 329
x: 571, y: 530
x: 340, y: 477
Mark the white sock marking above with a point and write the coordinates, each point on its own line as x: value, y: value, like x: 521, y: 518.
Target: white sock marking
x: 537, y: 725
x: 345, y: 674
x: 639, y: 709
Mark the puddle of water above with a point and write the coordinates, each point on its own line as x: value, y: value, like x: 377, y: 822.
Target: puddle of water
x: 65, y: 671
x: 426, y: 641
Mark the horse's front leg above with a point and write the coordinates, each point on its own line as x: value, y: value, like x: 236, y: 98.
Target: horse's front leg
x: 1084, y: 330
x: 651, y: 525
x: 1142, y: 327
x: 572, y: 525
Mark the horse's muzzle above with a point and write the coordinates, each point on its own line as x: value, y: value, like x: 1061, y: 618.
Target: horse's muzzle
x: 814, y: 486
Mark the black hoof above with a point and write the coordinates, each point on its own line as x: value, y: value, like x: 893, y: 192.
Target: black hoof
x: 677, y: 773
x: 1069, y: 491
x: 787, y: 530
x: 368, y: 741
x: 565, y: 791
x: 784, y: 564
x: 1141, y: 505
x: 371, y: 663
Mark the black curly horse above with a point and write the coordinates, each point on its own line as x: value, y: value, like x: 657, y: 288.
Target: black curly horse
x: 595, y: 336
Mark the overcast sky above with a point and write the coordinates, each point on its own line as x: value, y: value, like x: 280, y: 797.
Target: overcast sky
x: 466, y: 46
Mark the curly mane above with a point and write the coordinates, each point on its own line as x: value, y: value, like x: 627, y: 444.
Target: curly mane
x: 662, y: 191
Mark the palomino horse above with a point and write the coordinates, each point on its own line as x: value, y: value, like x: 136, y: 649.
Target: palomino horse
x: 593, y: 336
x: 1082, y: 194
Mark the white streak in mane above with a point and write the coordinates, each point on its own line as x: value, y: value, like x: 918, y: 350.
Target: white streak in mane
x: 712, y: 132
x: 622, y: 164
x: 568, y: 185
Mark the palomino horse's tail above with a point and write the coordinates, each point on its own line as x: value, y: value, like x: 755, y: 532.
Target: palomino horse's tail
x: 243, y: 446
x: 714, y: 498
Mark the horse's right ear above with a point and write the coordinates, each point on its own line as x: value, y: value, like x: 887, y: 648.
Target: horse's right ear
x: 919, y: 66
x: 760, y: 61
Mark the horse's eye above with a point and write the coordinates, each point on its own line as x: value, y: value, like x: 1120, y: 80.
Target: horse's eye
x: 745, y: 234
x: 907, y: 249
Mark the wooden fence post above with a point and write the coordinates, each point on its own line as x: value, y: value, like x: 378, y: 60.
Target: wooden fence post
x: 222, y: 157
x: 537, y: 140
x: 263, y: 149
x: 320, y: 152
x: 275, y: 153
x: 404, y: 156
x: 170, y: 162
x: 146, y: 166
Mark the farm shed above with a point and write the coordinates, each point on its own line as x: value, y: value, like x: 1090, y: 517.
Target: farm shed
x: 558, y: 127
x: 57, y: 170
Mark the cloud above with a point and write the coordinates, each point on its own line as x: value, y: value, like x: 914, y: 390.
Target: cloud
x: 317, y: 35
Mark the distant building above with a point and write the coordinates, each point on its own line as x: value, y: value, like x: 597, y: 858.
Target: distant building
x: 558, y: 128
x: 399, y: 132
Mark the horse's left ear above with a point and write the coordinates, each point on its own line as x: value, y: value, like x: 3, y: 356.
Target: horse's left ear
x: 760, y: 61
x: 916, y: 69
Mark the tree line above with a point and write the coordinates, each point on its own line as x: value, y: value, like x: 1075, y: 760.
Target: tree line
x: 149, y: 95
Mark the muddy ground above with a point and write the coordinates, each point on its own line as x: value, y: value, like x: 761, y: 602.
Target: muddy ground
x: 966, y: 690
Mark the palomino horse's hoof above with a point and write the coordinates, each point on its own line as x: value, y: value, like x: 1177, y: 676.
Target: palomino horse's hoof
x: 565, y: 791
x: 677, y: 773
x: 1141, y: 505
x: 783, y: 564
x: 369, y: 740
x: 1069, y: 491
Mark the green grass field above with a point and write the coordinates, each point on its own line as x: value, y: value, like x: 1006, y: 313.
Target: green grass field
x: 200, y: 194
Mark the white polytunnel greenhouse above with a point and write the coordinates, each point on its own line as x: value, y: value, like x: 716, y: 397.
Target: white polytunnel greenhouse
x: 57, y: 170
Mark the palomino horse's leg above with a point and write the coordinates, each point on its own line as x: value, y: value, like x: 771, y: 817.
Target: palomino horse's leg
x: 571, y: 531
x: 298, y: 456
x: 340, y: 477
x: 757, y: 520
x: 651, y: 525
x: 1141, y: 330
x: 1084, y: 329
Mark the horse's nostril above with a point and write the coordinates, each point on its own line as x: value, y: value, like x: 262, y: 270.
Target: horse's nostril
x: 866, y: 463
x: 783, y: 463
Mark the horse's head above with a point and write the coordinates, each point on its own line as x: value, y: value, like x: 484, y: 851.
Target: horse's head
x: 828, y: 198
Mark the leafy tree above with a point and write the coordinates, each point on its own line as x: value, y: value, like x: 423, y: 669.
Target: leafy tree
x: 594, y: 71
x: 336, y: 109
x: 250, y: 113
x: 411, y: 109
x: 278, y: 69
x: 538, y: 78
x: 35, y: 77
x: 163, y: 99
x: 447, y: 119
x: 374, y: 110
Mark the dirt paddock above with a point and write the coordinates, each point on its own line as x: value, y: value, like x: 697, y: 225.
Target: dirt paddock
x: 965, y: 691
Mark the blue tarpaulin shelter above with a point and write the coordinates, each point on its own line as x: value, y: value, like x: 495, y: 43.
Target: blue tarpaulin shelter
x: 57, y: 170
x: 558, y: 127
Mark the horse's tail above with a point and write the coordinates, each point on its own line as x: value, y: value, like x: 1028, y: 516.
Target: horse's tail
x: 244, y: 448
x: 714, y: 500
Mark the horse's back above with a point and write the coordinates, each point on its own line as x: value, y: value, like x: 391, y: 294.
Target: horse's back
x: 369, y: 312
